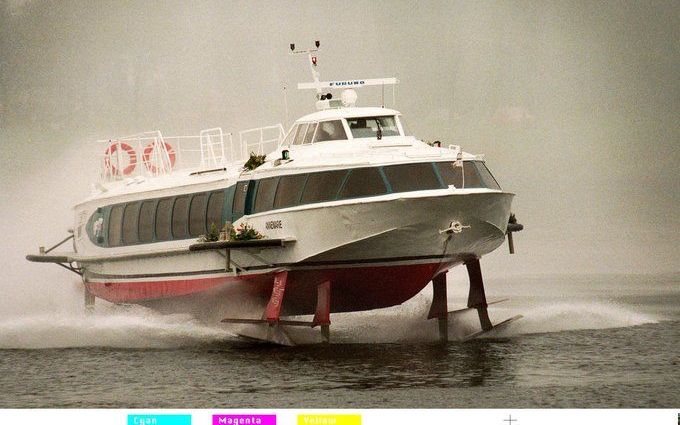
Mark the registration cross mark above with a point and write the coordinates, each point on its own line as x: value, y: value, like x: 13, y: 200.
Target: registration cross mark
x: 509, y: 420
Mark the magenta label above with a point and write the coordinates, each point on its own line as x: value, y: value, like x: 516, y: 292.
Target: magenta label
x: 244, y: 420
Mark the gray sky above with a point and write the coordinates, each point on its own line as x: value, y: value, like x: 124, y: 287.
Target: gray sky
x: 575, y: 104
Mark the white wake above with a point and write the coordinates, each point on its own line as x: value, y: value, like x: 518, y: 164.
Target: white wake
x: 130, y: 327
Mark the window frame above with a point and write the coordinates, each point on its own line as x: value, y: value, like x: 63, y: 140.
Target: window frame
x: 186, y: 217
x: 275, y: 180
x: 391, y: 181
x: 245, y: 184
x: 481, y: 166
x: 212, y: 194
x: 320, y: 123
x: 298, y: 201
x: 119, y: 242
x: 135, y: 228
x: 442, y: 176
x: 203, y: 213
x: 374, y: 117
x: 290, y: 136
x: 378, y: 170
x: 300, y: 135
x: 168, y: 227
x: 154, y: 205
x: 311, y: 138
x: 337, y: 192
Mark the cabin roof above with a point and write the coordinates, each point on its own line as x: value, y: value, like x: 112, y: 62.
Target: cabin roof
x: 347, y: 113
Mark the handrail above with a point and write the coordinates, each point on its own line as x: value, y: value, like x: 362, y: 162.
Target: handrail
x: 150, y: 154
x: 261, y: 141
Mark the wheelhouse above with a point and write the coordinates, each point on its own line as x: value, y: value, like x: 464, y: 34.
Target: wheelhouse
x: 345, y: 124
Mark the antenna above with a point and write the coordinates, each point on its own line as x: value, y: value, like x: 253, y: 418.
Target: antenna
x: 285, y: 103
x: 349, y: 96
x: 313, y: 61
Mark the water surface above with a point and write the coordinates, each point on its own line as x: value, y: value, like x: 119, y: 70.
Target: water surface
x: 594, y: 341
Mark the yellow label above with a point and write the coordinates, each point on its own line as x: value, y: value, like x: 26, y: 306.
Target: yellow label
x: 344, y: 419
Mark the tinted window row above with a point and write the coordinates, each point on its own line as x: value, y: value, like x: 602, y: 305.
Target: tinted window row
x: 288, y: 191
x: 188, y: 216
x: 165, y: 219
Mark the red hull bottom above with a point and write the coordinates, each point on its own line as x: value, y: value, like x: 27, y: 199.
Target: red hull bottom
x: 352, y: 289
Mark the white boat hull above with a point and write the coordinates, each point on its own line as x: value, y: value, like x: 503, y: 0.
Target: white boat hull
x: 377, y: 252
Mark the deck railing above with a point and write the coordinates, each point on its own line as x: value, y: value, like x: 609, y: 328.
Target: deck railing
x: 152, y: 154
x: 261, y: 140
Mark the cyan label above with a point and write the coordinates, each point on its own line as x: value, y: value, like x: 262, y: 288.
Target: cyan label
x: 159, y: 419
x: 244, y: 420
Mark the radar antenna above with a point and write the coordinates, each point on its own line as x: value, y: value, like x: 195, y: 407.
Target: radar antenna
x: 349, y: 96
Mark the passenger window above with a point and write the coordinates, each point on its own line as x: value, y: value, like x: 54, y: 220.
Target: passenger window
x: 299, y: 136
x: 197, y: 215
x: 485, y: 175
x: 215, y: 206
x: 240, y: 198
x: 310, y: 134
x: 163, y: 217
x: 323, y: 186
x: 266, y: 189
x: 471, y: 177
x: 368, y: 126
x: 290, y: 136
x: 451, y: 174
x: 115, y: 225
x: 408, y: 177
x: 330, y: 130
x: 289, y: 190
x: 363, y: 182
x: 179, y: 218
x: 146, y: 221
x: 130, y: 217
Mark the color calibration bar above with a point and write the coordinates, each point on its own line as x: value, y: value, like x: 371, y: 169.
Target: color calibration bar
x: 339, y: 416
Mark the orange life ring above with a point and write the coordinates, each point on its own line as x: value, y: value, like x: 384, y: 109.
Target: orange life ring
x: 147, y: 155
x: 131, y: 154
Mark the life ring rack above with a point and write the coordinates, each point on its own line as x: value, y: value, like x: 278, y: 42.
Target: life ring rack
x: 132, y: 155
x: 148, y: 150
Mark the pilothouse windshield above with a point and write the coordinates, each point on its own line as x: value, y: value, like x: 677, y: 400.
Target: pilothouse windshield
x: 370, y: 126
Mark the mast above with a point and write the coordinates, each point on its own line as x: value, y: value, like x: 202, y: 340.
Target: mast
x: 348, y: 97
x: 313, y: 60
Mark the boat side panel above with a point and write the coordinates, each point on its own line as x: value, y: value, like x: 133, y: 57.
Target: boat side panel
x: 353, y: 288
x: 407, y: 229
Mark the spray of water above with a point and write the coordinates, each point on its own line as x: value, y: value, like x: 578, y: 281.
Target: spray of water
x: 129, y: 327
x: 563, y: 316
x: 139, y: 327
x: 407, y: 323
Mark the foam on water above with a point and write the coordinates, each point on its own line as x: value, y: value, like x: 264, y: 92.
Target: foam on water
x: 407, y: 323
x: 139, y: 327
x: 564, y: 316
x: 129, y: 327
